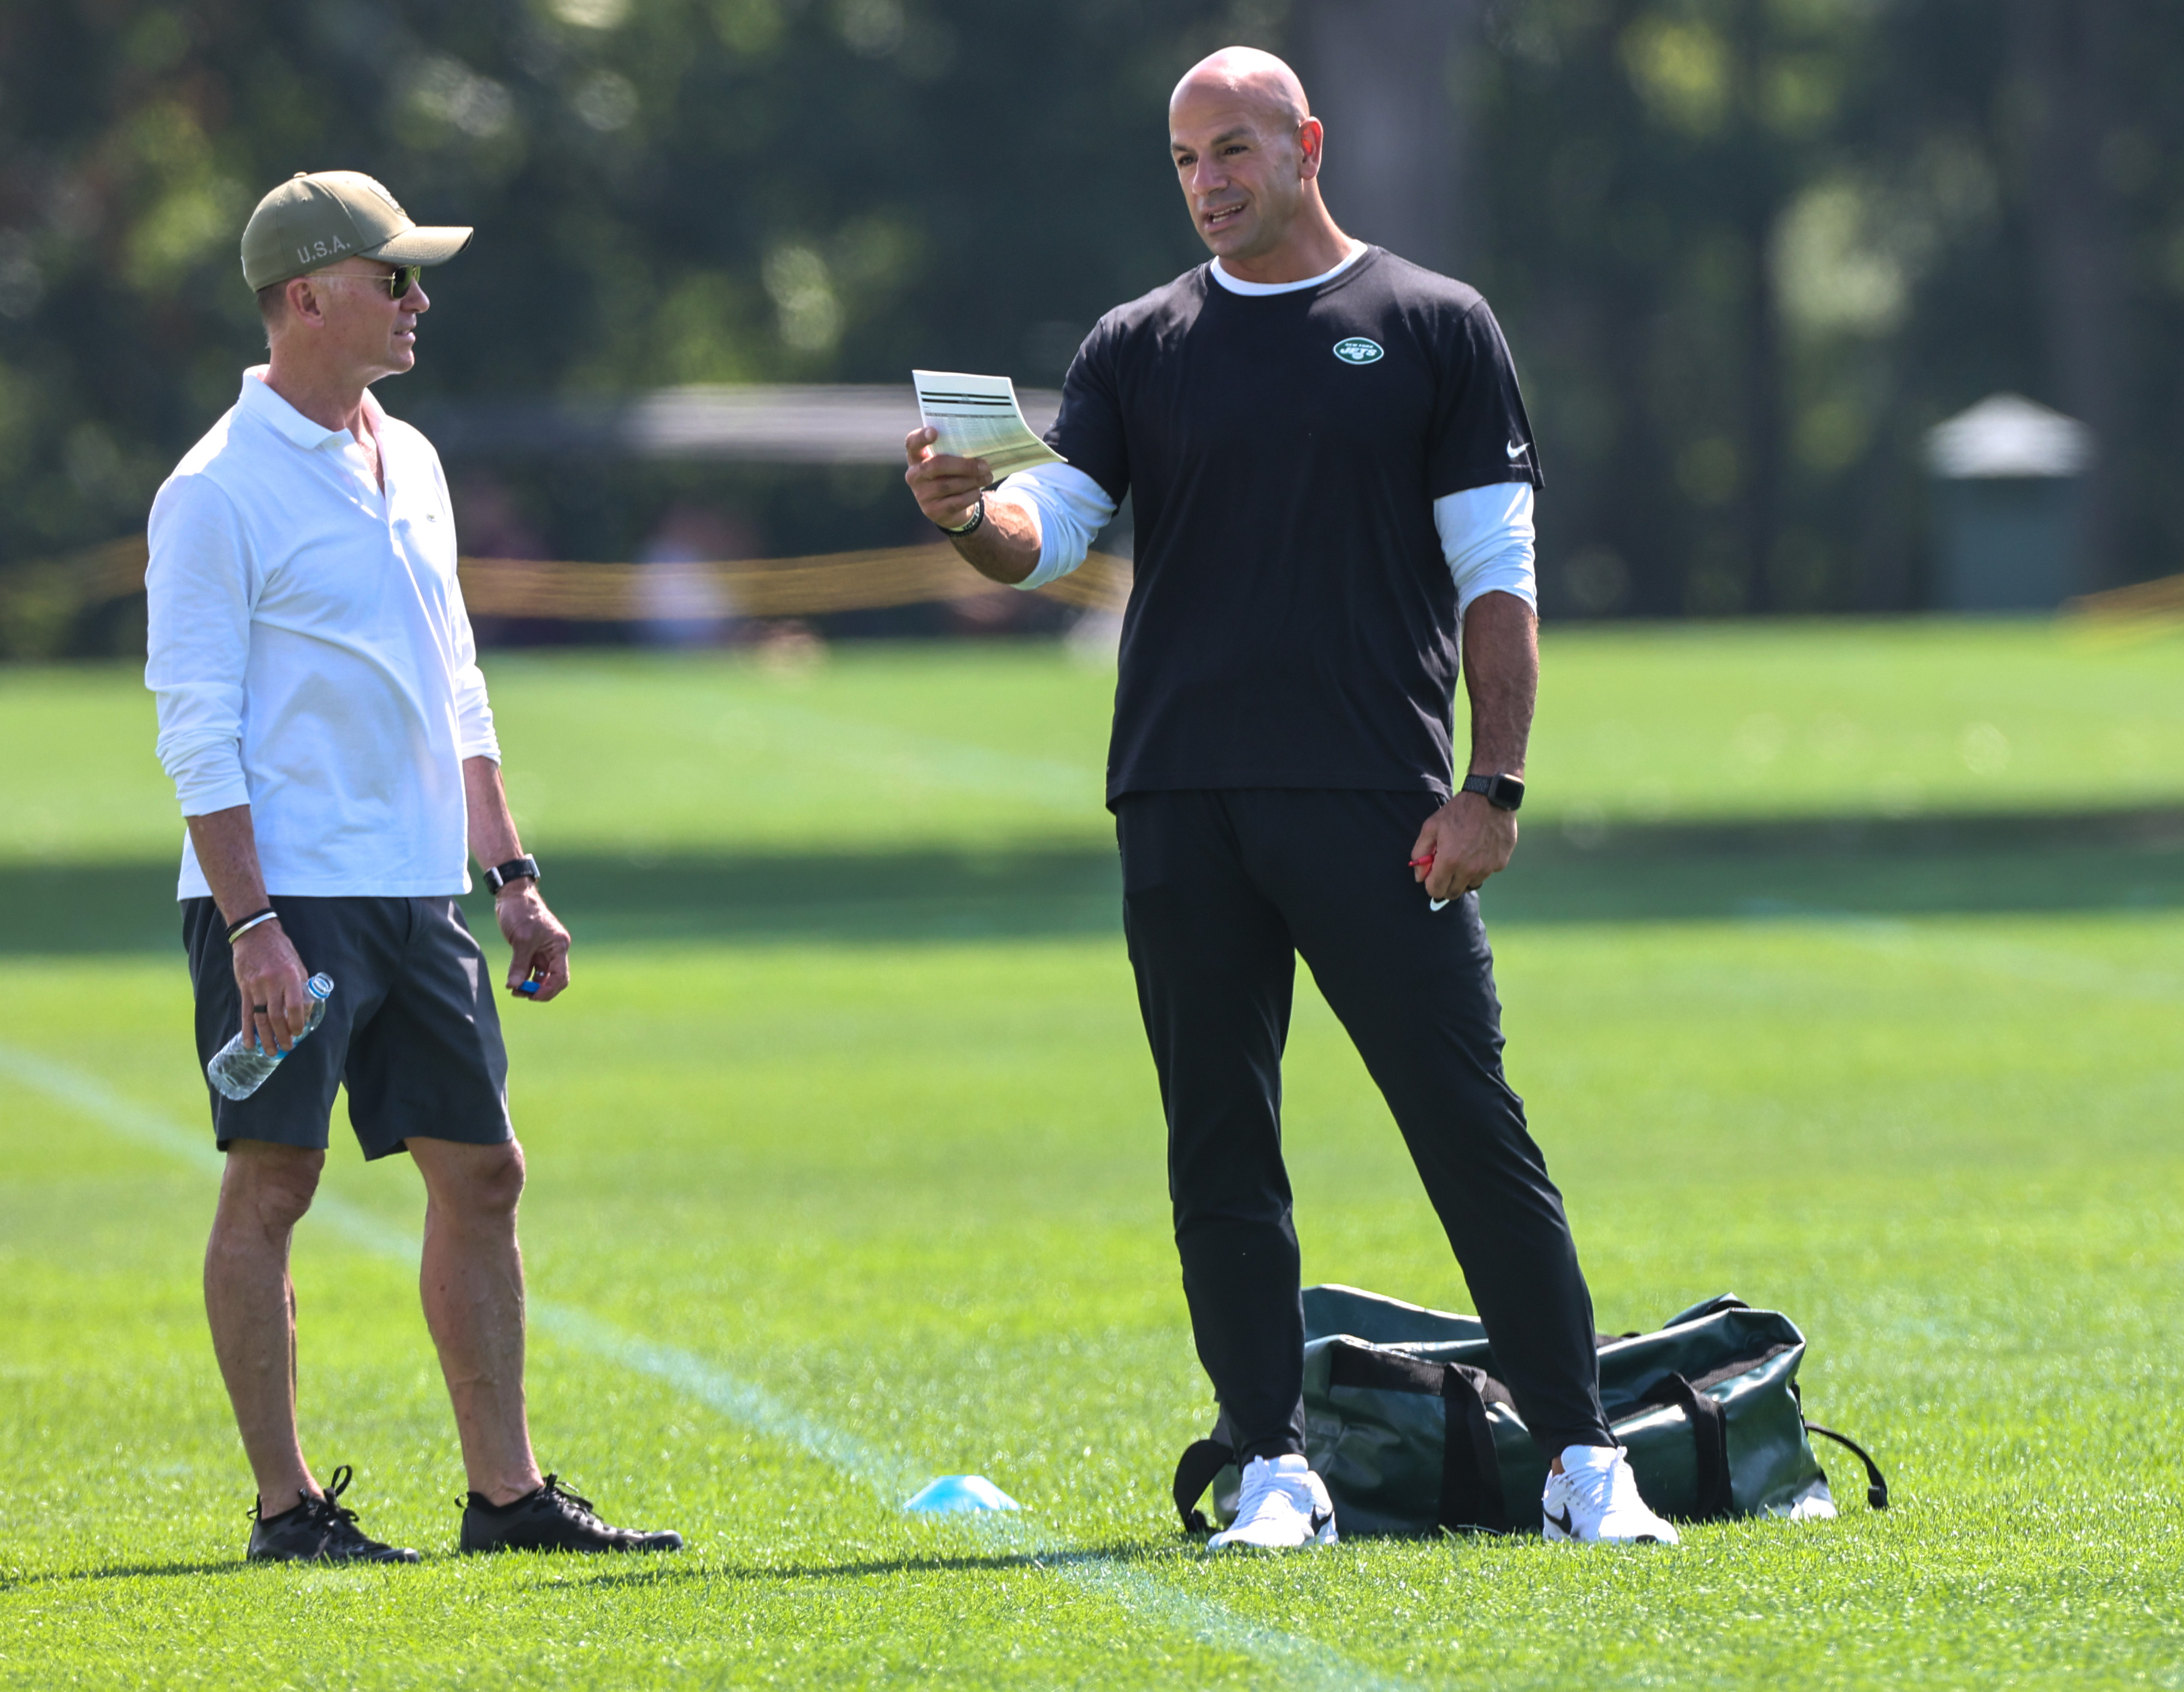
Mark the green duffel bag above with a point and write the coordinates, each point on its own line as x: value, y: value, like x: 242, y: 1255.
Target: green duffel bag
x: 1407, y: 1422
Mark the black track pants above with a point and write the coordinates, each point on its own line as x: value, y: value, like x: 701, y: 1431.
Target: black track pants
x: 1222, y: 890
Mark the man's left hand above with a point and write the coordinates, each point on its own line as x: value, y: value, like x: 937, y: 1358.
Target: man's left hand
x: 539, y: 943
x: 1461, y: 844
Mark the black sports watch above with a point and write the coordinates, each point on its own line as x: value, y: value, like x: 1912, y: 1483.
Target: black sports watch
x: 513, y: 870
x: 1502, y: 792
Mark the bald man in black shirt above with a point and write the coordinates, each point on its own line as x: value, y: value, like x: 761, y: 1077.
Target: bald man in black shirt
x: 1333, y: 475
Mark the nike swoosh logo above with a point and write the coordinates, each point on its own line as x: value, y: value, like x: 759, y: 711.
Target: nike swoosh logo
x: 1563, y: 1522
x: 1518, y: 449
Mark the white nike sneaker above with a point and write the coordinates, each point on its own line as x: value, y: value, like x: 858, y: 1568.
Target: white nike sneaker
x: 1283, y: 1506
x: 1595, y: 1501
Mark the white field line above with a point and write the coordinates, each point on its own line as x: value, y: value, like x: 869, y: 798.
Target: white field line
x: 893, y: 1478
x: 1289, y: 1659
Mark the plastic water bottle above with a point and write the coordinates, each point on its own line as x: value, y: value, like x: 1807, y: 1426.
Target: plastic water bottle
x: 240, y: 1067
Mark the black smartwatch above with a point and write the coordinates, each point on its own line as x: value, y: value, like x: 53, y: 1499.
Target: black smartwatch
x: 1502, y: 792
x: 513, y: 870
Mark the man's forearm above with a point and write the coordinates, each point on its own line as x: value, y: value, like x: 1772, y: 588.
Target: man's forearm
x: 226, y: 846
x: 267, y: 973
x: 1005, y: 547
x: 539, y: 945
x: 492, y: 836
x: 1502, y: 678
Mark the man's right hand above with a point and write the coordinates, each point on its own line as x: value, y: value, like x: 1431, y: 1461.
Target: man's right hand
x: 1005, y: 547
x: 946, y: 487
x: 276, y: 1004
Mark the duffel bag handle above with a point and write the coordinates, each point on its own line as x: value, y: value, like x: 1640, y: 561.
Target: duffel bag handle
x: 1470, y: 1472
x: 1194, y: 1473
x: 1877, y: 1488
x: 1710, y: 1433
x: 1471, y: 1493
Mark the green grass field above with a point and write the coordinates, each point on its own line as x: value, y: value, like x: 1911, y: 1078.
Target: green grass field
x: 846, y: 1173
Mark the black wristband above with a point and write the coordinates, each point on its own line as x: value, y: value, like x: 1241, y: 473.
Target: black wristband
x: 513, y: 870
x: 978, y: 517
x: 242, y: 925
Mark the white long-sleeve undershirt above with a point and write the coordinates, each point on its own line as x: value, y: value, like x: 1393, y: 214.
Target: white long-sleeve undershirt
x: 1485, y: 533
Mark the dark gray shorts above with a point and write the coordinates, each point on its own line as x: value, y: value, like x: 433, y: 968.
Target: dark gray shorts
x: 412, y: 1027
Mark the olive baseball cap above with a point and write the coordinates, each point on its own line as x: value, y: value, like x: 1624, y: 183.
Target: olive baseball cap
x: 321, y: 217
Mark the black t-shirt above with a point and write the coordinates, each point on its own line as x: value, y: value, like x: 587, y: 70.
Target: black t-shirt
x: 1293, y: 621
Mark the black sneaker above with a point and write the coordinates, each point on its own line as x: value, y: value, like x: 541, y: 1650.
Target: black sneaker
x: 552, y: 1519
x: 319, y: 1531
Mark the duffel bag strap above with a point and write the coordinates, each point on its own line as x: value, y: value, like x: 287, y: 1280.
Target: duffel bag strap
x: 1876, y: 1487
x: 1710, y: 1433
x: 1194, y: 1473
x: 1470, y: 1472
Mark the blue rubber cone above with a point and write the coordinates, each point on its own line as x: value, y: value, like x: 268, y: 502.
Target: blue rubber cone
x: 962, y: 1492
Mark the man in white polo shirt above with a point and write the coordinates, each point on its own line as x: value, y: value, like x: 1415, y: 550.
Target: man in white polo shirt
x: 324, y: 719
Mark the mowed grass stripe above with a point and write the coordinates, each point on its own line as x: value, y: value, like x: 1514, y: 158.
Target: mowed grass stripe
x: 1000, y: 744
x: 1284, y: 1658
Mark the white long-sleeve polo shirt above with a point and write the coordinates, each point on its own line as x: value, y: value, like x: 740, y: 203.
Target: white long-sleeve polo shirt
x: 310, y: 653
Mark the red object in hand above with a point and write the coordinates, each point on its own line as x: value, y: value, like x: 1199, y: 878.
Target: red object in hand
x: 1422, y: 862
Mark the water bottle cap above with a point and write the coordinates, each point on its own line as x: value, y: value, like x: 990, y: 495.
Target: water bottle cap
x: 321, y: 986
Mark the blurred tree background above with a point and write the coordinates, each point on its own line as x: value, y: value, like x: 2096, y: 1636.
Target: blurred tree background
x: 1752, y: 249
x: 1746, y: 250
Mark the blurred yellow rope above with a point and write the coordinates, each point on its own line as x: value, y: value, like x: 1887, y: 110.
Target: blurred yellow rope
x: 2156, y: 601
x: 40, y: 602
x: 777, y: 586
x: 49, y: 594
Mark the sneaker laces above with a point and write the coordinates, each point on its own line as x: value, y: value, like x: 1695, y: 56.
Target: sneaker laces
x: 1263, y: 1482
x: 1595, y: 1488
x: 325, y: 1509
x: 552, y: 1489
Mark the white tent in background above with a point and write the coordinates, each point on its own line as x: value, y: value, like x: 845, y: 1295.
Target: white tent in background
x: 838, y: 424
x: 2009, y: 435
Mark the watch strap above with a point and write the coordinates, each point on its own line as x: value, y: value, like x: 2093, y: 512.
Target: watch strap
x: 513, y: 870
x: 1502, y: 792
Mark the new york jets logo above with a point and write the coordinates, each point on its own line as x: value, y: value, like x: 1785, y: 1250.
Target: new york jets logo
x: 1358, y: 350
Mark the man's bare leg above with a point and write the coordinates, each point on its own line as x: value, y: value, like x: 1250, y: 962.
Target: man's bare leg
x: 473, y: 1287
x: 251, y: 1305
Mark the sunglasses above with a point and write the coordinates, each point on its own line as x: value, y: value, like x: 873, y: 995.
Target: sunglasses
x: 398, y: 284
x: 404, y: 278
